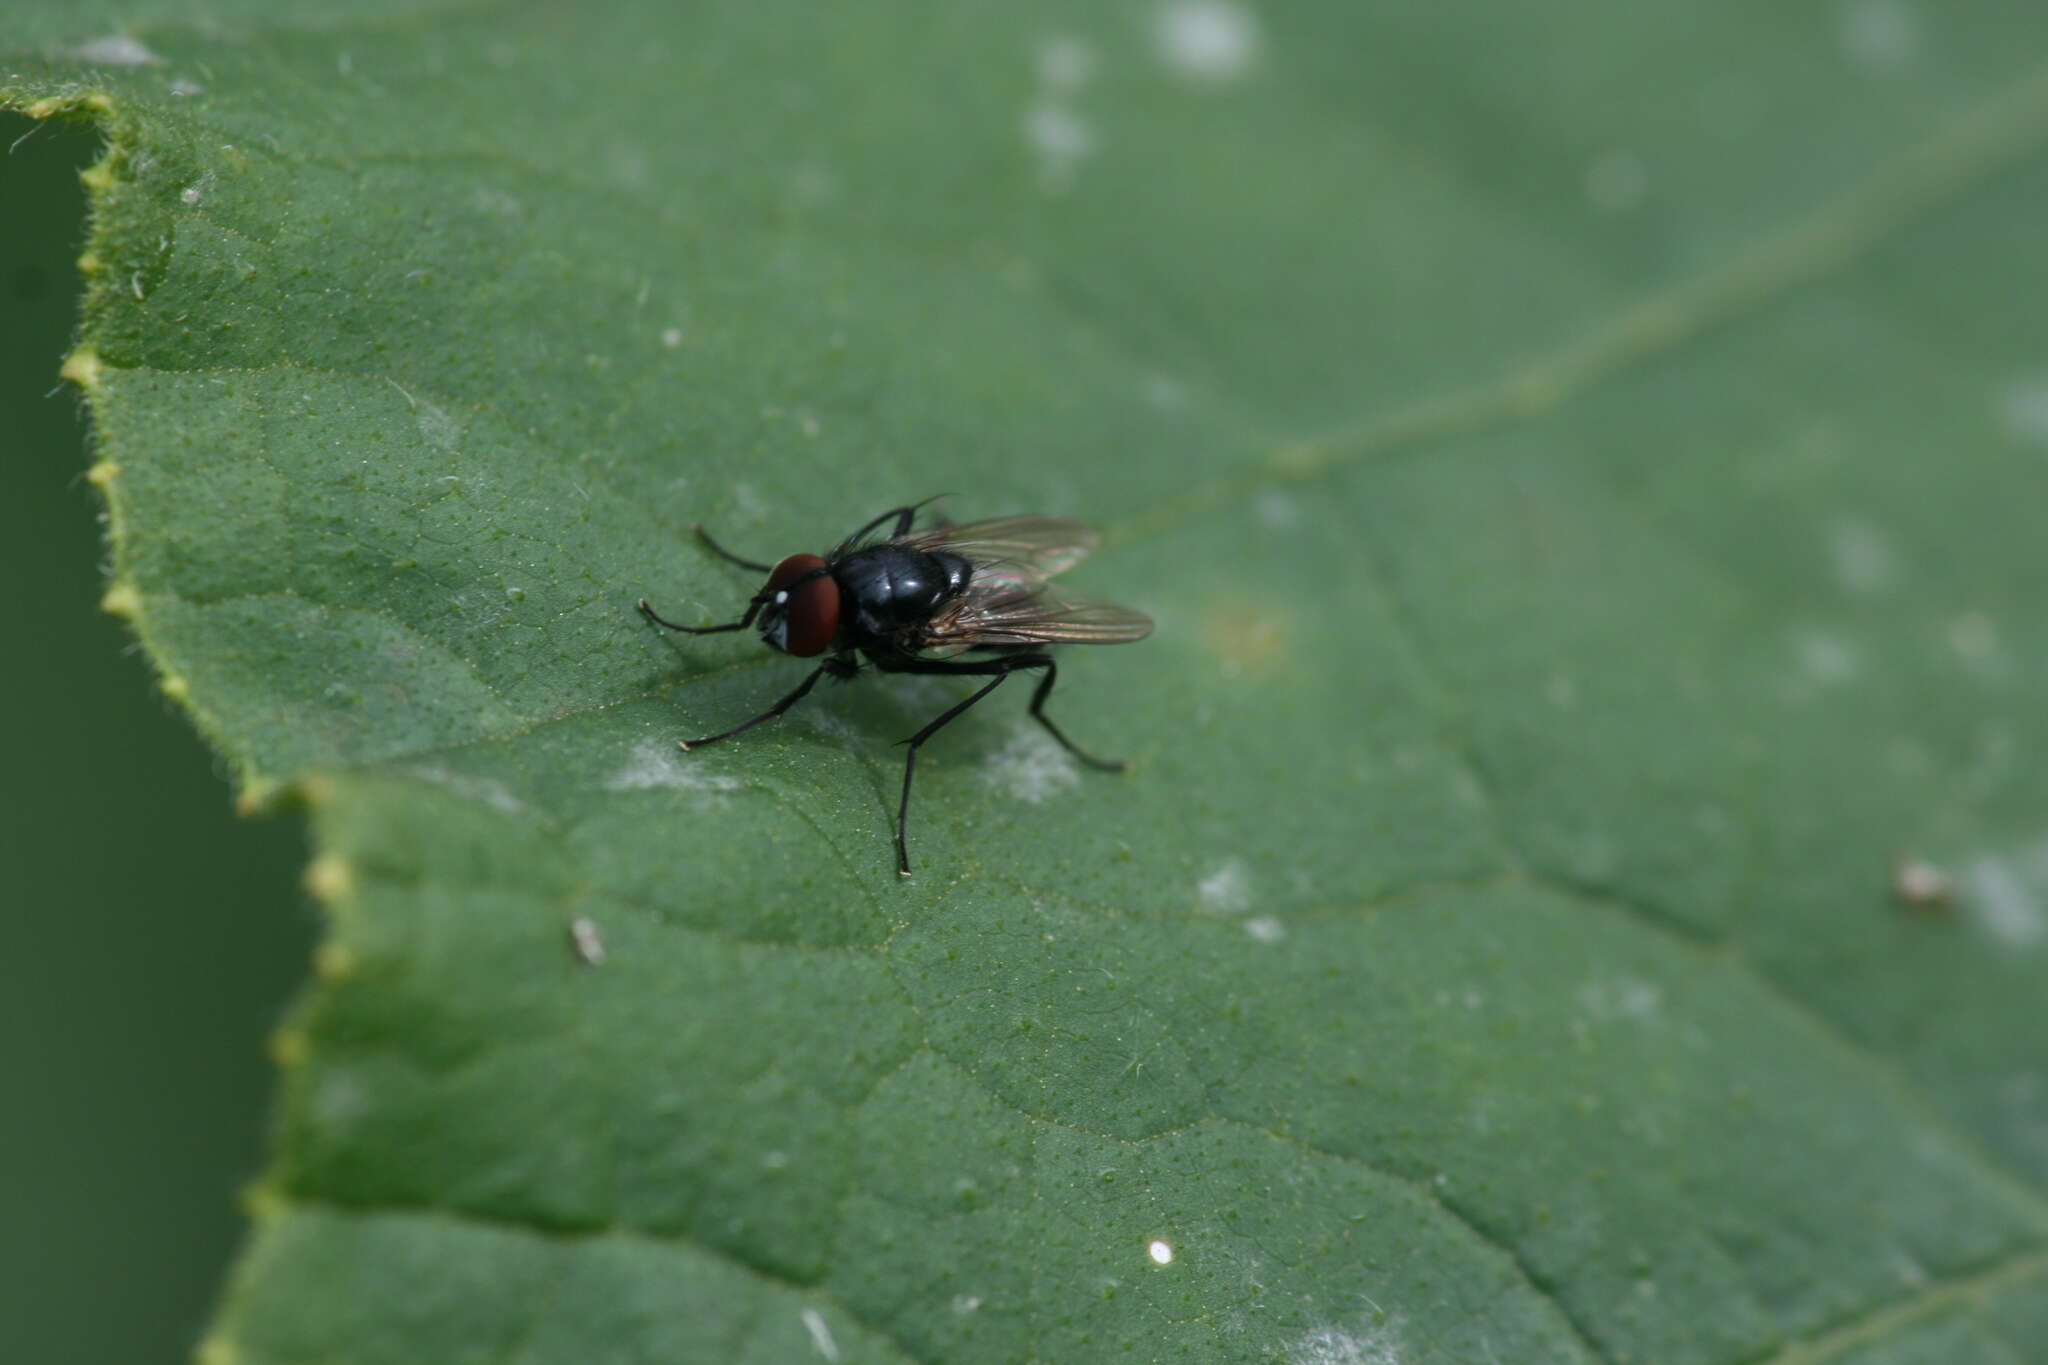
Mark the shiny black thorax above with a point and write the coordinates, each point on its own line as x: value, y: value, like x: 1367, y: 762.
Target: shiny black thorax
x: 890, y: 592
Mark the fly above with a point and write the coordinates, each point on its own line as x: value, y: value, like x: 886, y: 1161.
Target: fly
x: 917, y: 601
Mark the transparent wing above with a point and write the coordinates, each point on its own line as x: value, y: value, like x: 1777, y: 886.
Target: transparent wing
x: 1037, y: 615
x: 1019, y: 548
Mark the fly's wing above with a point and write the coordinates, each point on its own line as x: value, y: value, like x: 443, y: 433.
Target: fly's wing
x: 1007, y: 614
x: 1019, y: 550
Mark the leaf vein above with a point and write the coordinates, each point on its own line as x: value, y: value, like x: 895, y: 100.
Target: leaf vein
x: 2005, y: 130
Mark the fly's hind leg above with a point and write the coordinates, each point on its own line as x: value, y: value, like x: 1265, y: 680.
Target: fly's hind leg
x: 1000, y: 669
x: 1044, y: 690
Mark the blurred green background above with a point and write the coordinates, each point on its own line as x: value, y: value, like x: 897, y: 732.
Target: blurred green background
x: 150, y: 937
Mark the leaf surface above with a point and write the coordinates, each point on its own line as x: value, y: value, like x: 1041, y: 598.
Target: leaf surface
x: 1586, y: 467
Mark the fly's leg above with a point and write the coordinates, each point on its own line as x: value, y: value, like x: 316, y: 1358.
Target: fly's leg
x: 727, y: 555
x: 1001, y: 668
x: 753, y: 610
x: 1002, y: 671
x: 1044, y: 690
x: 753, y: 607
x: 802, y: 689
x: 903, y: 515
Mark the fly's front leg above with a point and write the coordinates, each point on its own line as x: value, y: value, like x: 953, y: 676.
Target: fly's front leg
x: 753, y: 610
x: 753, y: 607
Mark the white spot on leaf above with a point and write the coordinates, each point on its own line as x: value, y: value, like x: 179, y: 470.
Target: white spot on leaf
x: 437, y: 428
x: 496, y: 202
x: 116, y: 50
x: 1060, y: 139
x: 1919, y: 883
x: 657, y: 763
x: 1277, y: 510
x: 1266, y: 929
x: 487, y: 790
x: 1864, y: 559
x: 1826, y: 659
x: 1880, y: 36
x: 2025, y: 410
x: 821, y: 1333
x: 1621, y: 997
x: 1340, y: 1346
x: 1227, y: 890
x: 2006, y: 900
x: 587, y: 938
x: 1210, y: 40
x: 1160, y: 1252
x: 1617, y: 181
x: 1166, y: 393
x: 1031, y: 767
x: 1911, y: 1273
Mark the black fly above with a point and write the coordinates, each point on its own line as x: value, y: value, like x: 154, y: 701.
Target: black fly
x: 912, y: 602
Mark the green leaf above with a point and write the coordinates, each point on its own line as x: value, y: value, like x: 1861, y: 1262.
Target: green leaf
x: 1586, y: 464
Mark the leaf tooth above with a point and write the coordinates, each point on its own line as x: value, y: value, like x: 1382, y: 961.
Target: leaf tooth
x: 288, y: 1047
x: 122, y: 600
x: 335, y: 962
x: 83, y: 367
x: 329, y: 878
x: 262, y: 795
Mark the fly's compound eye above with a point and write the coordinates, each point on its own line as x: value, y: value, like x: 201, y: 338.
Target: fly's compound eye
x: 801, y: 620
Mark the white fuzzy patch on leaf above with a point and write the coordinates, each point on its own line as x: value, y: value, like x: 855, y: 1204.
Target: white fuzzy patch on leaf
x: 657, y: 763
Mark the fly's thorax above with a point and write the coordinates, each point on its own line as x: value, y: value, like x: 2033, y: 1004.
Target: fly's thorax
x: 889, y: 588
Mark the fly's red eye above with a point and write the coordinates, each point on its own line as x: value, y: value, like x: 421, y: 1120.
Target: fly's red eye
x: 811, y: 615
